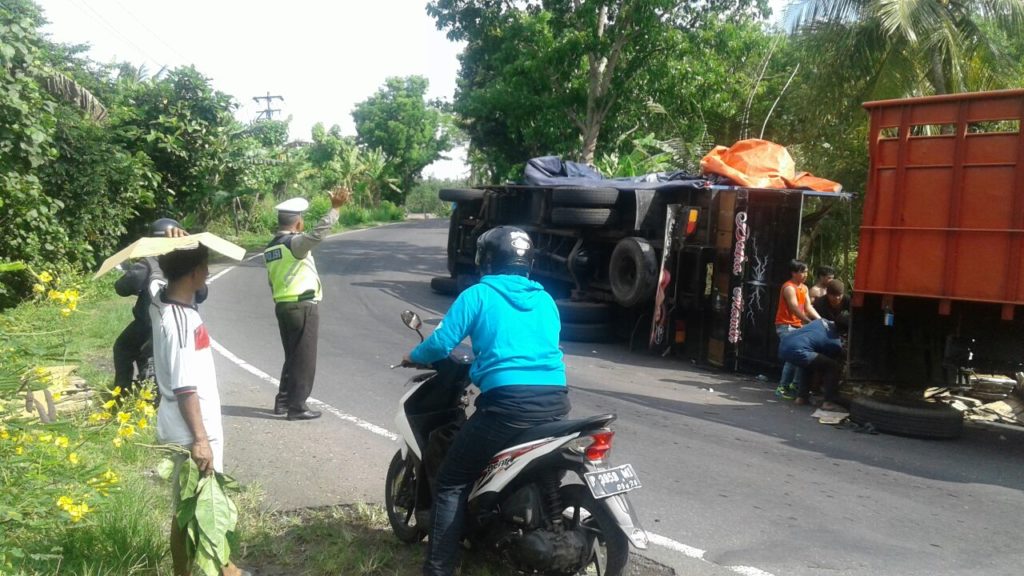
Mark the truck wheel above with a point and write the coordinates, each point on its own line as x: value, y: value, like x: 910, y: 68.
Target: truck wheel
x: 446, y: 286
x: 583, y: 216
x: 572, y: 196
x: 908, y: 417
x: 572, y: 332
x: 460, y: 194
x: 576, y: 312
x: 633, y: 271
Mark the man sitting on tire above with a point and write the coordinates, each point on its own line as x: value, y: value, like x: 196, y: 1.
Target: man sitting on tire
x: 817, y: 346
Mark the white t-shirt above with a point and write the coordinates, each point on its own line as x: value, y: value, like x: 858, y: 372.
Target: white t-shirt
x: 184, y: 365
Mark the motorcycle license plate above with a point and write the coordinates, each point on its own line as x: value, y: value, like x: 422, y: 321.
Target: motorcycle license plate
x: 605, y: 483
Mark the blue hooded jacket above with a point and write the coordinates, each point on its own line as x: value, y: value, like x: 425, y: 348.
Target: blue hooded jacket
x: 514, y: 326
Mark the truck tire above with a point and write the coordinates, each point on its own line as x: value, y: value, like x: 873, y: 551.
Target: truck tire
x: 572, y: 196
x: 460, y: 194
x: 633, y: 271
x: 583, y: 216
x: 572, y: 332
x: 577, y: 312
x: 446, y: 286
x: 908, y: 417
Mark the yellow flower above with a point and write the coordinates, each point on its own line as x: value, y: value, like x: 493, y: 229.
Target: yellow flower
x: 64, y: 502
x: 71, y: 296
x: 55, y: 296
x: 38, y: 288
x: 117, y: 442
x: 44, y: 438
x: 110, y: 477
x: 148, y: 410
x: 143, y: 424
x: 78, y: 511
x: 61, y: 442
x: 73, y: 458
x: 127, y: 431
x: 146, y: 394
x: 56, y: 396
x: 19, y: 450
x: 65, y: 312
x: 72, y: 306
x: 45, y: 277
x: 109, y: 404
x: 4, y: 435
x: 123, y: 417
x: 116, y: 391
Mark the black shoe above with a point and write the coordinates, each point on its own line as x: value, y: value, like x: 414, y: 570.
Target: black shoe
x: 280, y: 409
x: 304, y: 415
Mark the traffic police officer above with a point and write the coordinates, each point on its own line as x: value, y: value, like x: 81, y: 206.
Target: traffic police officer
x: 297, y: 290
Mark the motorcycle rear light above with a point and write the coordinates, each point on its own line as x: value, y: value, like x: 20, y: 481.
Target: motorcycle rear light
x: 601, y: 445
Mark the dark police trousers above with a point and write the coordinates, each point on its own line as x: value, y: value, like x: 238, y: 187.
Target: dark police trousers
x: 299, y: 323
x: 128, y: 353
x: 481, y: 437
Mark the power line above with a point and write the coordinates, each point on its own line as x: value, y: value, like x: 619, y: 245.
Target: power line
x: 97, y: 16
x: 184, y: 59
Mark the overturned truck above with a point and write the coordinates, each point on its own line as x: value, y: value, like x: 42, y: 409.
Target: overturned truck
x: 674, y: 263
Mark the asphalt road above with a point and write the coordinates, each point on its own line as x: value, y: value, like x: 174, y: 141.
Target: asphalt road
x: 733, y: 480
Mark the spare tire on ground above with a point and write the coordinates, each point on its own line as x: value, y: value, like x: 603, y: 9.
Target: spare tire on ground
x: 572, y: 332
x: 633, y: 271
x: 573, y: 196
x: 908, y: 417
x: 583, y: 216
x: 443, y: 285
x: 579, y: 312
x: 460, y: 194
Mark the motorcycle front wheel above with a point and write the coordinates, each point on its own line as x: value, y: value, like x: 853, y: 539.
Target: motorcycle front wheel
x: 400, y: 500
x: 608, y: 546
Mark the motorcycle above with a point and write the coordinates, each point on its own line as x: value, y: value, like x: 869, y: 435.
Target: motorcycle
x: 550, y: 503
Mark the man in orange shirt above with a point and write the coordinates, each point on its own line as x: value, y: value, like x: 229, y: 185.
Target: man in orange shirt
x: 794, y: 311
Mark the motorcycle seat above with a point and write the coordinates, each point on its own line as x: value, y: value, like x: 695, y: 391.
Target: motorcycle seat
x: 564, y: 427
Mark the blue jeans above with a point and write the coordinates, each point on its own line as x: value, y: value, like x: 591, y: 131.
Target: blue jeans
x: 791, y: 373
x: 480, y: 438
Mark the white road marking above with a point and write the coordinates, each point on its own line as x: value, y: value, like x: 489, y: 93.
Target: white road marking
x: 656, y: 539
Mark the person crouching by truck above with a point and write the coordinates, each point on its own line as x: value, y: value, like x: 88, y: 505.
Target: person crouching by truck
x: 794, y: 311
x: 818, y: 347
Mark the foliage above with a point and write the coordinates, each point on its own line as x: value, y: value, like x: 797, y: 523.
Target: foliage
x: 423, y: 197
x: 57, y: 467
x: 409, y: 132
x: 546, y: 77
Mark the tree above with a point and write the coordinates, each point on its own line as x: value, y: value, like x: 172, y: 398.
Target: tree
x: 556, y: 60
x: 912, y: 47
x: 410, y: 131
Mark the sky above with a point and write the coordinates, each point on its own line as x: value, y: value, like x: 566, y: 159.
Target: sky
x: 321, y: 56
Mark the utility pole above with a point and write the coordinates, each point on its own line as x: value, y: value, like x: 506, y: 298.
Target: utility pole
x: 268, y: 113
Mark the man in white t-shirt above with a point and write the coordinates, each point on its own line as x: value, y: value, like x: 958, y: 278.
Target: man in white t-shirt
x: 189, y: 413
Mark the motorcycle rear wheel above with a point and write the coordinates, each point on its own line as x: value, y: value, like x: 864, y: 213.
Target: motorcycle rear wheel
x: 400, y: 500
x: 609, y: 547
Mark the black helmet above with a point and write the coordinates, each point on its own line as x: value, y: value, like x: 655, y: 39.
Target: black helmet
x: 504, y: 250
x: 159, y: 228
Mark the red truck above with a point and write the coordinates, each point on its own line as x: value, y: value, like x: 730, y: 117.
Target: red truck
x: 939, y: 282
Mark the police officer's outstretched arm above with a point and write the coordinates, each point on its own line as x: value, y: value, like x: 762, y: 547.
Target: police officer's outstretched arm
x: 302, y: 244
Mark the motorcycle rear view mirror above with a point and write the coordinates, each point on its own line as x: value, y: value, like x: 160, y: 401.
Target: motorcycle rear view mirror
x: 412, y: 320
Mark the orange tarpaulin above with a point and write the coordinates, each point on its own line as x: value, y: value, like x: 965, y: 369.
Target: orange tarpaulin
x: 762, y: 164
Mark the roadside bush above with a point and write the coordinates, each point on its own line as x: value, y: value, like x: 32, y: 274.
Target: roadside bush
x: 387, y: 212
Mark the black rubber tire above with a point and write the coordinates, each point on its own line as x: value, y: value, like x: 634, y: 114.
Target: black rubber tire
x: 460, y: 194
x: 583, y: 216
x: 572, y: 196
x: 917, y: 418
x: 463, y: 281
x: 572, y: 332
x: 608, y: 540
x: 578, y: 312
x: 446, y: 286
x: 400, y: 484
x: 633, y: 271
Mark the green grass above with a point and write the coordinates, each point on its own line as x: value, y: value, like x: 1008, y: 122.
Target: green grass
x: 127, y: 533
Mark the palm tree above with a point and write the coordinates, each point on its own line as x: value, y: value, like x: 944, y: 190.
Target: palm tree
x: 913, y: 47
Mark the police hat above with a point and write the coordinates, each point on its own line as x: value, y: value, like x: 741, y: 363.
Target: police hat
x: 293, y: 205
